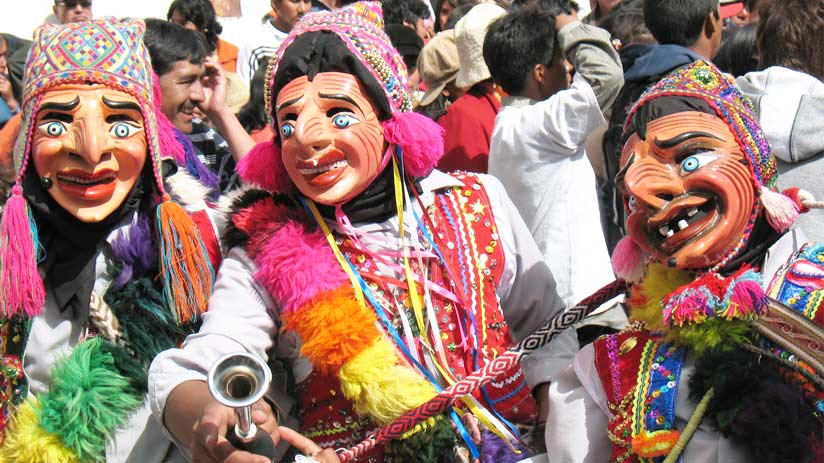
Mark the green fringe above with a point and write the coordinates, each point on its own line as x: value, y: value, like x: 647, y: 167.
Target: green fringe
x: 713, y: 333
x: 435, y: 445
x: 88, y: 400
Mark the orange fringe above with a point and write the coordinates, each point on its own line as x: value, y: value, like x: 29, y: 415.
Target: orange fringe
x: 334, y: 328
x: 184, y: 263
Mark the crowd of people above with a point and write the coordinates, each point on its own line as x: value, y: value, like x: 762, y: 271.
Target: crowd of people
x: 382, y: 201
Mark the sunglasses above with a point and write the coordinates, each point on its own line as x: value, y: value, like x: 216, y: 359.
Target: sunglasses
x: 70, y: 4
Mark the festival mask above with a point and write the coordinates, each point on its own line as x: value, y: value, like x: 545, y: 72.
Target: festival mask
x: 688, y: 188
x: 90, y: 145
x: 331, y: 138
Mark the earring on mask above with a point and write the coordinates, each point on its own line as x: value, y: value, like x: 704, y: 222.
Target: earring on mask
x: 46, y: 182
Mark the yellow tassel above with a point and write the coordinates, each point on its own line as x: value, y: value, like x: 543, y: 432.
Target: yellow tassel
x: 380, y: 387
x: 184, y: 262
x: 27, y: 442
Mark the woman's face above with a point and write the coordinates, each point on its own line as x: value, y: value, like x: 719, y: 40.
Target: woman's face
x: 332, y: 140
x: 90, y: 142
x: 689, y: 190
x: 443, y: 13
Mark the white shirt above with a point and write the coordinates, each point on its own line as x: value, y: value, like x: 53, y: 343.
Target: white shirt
x: 242, y: 316
x: 263, y: 42
x: 537, y: 151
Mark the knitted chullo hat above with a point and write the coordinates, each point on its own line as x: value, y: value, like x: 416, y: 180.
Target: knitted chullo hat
x: 703, y: 81
x: 360, y: 27
x: 109, y: 52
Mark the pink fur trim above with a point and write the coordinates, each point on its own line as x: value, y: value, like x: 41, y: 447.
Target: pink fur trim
x: 263, y: 166
x: 628, y: 261
x: 295, y: 264
x: 781, y: 211
x: 21, y: 286
x: 420, y: 138
x: 169, y: 146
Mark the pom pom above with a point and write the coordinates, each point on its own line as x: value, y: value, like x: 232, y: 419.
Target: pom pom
x: 628, y: 261
x: 420, y: 139
x: 20, y: 284
x: 655, y: 444
x: 798, y: 196
x: 781, y: 211
x: 27, y: 442
x: 263, y: 166
x: 184, y: 262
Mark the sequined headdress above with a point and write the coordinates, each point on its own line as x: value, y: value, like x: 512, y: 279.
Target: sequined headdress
x: 108, y: 52
x: 360, y: 27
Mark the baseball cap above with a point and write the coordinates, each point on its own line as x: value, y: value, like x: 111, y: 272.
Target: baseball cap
x: 438, y: 64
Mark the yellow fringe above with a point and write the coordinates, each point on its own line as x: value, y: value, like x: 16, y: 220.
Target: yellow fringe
x: 646, y: 297
x: 379, y: 386
x: 27, y: 442
x: 424, y: 425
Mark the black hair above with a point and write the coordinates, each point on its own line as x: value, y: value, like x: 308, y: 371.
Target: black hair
x: 400, y: 11
x: 252, y: 116
x: 516, y: 43
x: 678, y: 22
x: 553, y: 7
x: 459, y: 12
x: 626, y: 23
x: 202, y: 14
x: 738, y: 53
x: 169, y: 43
x: 323, y: 51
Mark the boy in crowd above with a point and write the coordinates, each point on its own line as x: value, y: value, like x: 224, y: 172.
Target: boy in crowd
x: 537, y: 148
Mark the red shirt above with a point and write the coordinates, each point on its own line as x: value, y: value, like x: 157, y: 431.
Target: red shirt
x: 468, y: 124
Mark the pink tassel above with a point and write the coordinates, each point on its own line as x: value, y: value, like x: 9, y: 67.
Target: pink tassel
x: 263, y: 166
x: 169, y: 147
x: 748, y: 299
x: 420, y: 139
x: 780, y: 210
x: 21, y: 285
x: 628, y: 261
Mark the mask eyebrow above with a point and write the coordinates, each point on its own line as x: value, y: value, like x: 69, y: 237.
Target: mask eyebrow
x: 681, y: 138
x: 112, y: 104
x: 57, y: 106
x: 287, y: 103
x: 340, y: 97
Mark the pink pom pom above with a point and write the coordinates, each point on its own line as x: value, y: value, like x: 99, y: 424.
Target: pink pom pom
x: 628, y: 261
x: 420, y: 139
x: 20, y: 283
x: 263, y: 166
x: 781, y: 211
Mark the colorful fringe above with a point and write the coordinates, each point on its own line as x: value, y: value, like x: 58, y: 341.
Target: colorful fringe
x: 341, y: 335
x: 88, y: 400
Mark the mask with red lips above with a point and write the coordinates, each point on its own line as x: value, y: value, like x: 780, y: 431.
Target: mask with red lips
x: 89, y: 140
x: 331, y: 137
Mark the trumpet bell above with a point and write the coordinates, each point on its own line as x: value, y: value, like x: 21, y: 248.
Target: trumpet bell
x: 239, y: 380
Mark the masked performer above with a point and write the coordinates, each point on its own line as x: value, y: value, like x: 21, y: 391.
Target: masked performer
x: 102, y: 267
x: 391, y: 279
x: 693, y: 379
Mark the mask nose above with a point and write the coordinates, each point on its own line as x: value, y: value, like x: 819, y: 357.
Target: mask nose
x: 313, y: 133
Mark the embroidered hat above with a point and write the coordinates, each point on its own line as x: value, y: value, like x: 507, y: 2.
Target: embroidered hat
x: 703, y: 81
x: 359, y: 27
x: 109, y: 52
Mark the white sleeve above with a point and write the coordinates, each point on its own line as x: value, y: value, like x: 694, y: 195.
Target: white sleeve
x: 576, y: 429
x: 561, y: 123
x: 243, y: 67
x: 239, y: 319
x: 527, y: 291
